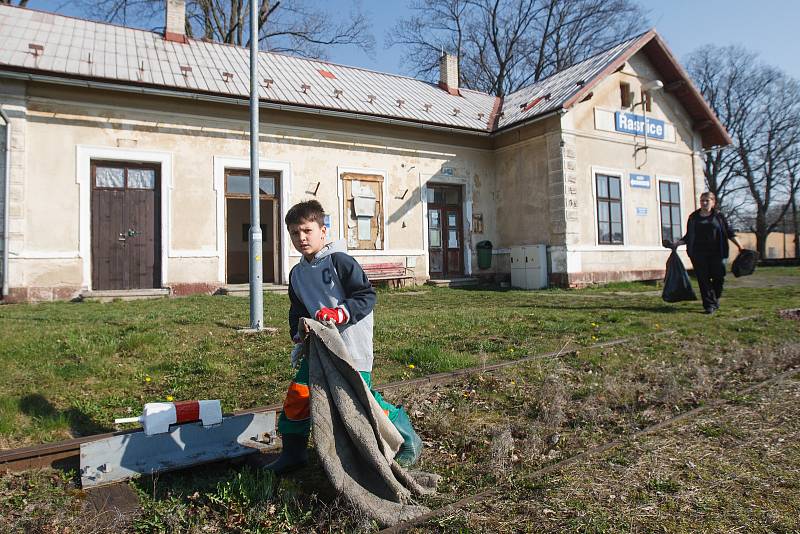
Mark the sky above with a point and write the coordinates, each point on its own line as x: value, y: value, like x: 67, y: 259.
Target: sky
x: 767, y: 27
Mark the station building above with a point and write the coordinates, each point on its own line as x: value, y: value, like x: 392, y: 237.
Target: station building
x: 124, y: 160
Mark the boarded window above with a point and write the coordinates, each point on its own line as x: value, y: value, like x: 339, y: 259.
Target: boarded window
x: 670, y: 204
x: 363, y: 209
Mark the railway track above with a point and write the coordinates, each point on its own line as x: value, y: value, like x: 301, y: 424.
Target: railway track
x: 66, y: 454
x: 497, y: 491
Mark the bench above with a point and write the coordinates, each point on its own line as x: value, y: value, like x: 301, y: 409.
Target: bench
x: 393, y: 273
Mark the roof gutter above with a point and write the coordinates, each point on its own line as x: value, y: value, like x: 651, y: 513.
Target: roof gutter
x: 73, y: 82
x: 6, y: 198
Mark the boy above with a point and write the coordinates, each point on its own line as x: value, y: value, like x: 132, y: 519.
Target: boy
x: 329, y: 285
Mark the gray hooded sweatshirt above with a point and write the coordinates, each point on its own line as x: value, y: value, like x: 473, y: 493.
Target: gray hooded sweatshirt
x: 334, y: 278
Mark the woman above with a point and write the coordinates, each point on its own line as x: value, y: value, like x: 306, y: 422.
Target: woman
x: 706, y: 240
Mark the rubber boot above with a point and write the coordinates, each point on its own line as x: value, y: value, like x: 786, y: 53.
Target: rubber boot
x: 294, y: 454
x: 411, y: 448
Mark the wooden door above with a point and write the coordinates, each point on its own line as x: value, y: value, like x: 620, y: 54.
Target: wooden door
x: 126, y: 225
x: 445, y: 231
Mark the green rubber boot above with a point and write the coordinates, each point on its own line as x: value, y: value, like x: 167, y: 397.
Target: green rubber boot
x: 294, y: 454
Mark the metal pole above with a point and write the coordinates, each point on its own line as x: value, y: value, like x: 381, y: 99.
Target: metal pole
x: 256, y: 295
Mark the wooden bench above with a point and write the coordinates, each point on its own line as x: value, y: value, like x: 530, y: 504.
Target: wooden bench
x: 393, y: 273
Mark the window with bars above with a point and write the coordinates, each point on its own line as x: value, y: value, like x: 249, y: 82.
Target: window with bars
x: 609, y: 209
x: 670, y: 202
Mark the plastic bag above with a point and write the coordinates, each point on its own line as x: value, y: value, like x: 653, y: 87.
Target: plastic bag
x: 411, y: 448
x: 677, y: 286
x: 745, y: 263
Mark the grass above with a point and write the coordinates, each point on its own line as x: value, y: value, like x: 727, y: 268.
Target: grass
x: 88, y: 363
x: 70, y: 368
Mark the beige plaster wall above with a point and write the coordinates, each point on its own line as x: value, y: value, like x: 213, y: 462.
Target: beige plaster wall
x: 60, y: 120
x: 616, y: 153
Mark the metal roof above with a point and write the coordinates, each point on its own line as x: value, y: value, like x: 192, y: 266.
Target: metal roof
x: 553, y: 92
x: 56, y: 45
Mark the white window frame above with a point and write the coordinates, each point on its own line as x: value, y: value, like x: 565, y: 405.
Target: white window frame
x: 625, y: 237
x: 84, y: 156
x: 674, y: 180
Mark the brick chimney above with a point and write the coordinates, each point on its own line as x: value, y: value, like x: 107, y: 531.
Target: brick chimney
x: 175, y: 27
x: 448, y: 73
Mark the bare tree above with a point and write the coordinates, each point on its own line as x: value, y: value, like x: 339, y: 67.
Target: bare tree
x: 20, y: 3
x: 766, y: 145
x: 504, y: 45
x: 760, y: 107
x: 719, y: 74
x: 299, y: 27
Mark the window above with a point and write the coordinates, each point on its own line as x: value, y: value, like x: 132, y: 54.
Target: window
x: 625, y: 94
x: 237, y: 183
x: 363, y: 211
x: 647, y: 100
x: 124, y: 175
x: 609, y: 209
x: 670, y: 199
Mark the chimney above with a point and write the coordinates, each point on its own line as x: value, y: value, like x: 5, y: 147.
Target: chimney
x: 175, y: 27
x: 448, y: 73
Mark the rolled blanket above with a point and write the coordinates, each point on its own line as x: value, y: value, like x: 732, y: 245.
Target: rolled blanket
x: 355, y: 440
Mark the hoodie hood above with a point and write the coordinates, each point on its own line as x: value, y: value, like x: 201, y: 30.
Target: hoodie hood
x: 340, y: 245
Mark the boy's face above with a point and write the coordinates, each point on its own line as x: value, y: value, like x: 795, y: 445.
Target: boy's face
x: 308, y: 238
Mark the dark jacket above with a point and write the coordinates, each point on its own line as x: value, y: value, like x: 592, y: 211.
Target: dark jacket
x: 723, y: 232
x: 333, y: 279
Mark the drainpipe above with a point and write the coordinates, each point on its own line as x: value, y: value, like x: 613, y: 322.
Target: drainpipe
x: 6, y: 199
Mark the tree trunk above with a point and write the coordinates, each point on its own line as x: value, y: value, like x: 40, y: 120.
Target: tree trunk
x: 762, y: 232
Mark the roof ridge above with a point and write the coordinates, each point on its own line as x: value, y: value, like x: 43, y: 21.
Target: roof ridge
x: 630, y: 40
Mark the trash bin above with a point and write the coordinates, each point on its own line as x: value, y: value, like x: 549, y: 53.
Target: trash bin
x: 484, y: 254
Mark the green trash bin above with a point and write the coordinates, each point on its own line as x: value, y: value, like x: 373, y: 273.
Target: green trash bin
x: 484, y: 249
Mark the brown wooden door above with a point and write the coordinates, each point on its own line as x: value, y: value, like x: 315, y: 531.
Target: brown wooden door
x: 126, y: 225
x: 445, y: 231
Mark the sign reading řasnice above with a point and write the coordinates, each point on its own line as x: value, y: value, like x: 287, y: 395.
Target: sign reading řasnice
x: 638, y: 124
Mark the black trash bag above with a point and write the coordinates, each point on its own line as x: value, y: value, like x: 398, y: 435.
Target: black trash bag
x: 677, y: 286
x: 745, y: 263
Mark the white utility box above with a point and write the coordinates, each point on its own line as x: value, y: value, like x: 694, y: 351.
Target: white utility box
x: 529, y: 266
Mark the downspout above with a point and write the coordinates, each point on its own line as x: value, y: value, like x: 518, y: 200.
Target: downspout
x: 6, y: 199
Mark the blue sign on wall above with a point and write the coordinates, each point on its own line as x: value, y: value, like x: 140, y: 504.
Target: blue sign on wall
x: 640, y: 180
x: 638, y: 124
x: 641, y: 212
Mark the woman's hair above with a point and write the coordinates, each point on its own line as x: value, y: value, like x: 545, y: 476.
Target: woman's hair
x: 712, y: 196
x: 310, y: 210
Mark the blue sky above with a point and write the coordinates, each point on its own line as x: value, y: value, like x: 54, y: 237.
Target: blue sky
x: 768, y: 27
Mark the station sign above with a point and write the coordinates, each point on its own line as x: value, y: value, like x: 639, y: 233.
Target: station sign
x: 638, y: 125
x: 640, y: 180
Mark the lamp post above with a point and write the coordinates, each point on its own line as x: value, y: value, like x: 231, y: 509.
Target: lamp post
x: 256, y: 261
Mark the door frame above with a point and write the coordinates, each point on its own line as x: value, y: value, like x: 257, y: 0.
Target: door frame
x: 276, y: 220
x: 466, y: 213
x: 284, y: 170
x: 84, y: 156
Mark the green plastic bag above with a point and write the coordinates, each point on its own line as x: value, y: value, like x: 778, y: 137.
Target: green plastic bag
x: 411, y: 449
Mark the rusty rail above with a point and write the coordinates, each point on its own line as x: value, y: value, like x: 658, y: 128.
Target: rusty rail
x: 65, y: 454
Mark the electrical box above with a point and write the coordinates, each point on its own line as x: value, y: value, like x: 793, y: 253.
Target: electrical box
x: 529, y: 266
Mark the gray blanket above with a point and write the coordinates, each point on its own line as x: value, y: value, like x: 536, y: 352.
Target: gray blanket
x: 355, y: 440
